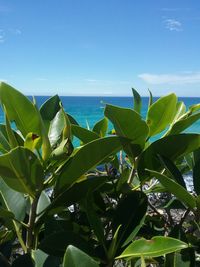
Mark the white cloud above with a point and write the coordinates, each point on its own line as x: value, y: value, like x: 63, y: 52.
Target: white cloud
x: 173, y: 25
x: 184, y: 78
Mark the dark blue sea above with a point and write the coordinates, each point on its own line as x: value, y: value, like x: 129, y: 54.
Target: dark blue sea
x: 90, y: 109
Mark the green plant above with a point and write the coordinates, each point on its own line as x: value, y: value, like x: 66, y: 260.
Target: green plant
x: 62, y: 205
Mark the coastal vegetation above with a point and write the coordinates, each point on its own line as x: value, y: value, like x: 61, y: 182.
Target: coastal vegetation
x: 116, y: 197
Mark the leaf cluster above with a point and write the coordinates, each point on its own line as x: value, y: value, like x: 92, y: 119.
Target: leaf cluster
x: 119, y: 198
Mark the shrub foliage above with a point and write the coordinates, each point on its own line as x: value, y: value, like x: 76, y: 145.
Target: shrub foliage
x: 117, y: 199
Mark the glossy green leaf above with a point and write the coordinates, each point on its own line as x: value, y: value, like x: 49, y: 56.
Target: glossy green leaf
x: 161, y: 113
x: 171, y: 147
x: 21, y: 170
x: 101, y: 127
x: 15, y: 104
x: 57, y: 126
x: 67, y: 133
x: 87, y: 157
x: 128, y: 123
x: 74, y: 257
x: 137, y: 101
x: 15, y: 203
x: 75, y: 193
x: 71, y: 119
x: 39, y: 257
x: 155, y: 247
x: 4, y: 142
x: 55, y: 120
x: 180, y: 192
x: 83, y: 134
x: 12, y: 201
x: 5, y: 145
x: 29, y: 121
x: 180, y: 110
x: 183, y: 124
x: 50, y: 108
x: 194, y: 108
x: 43, y: 203
x: 11, y: 136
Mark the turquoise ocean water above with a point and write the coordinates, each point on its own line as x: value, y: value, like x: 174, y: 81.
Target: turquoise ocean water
x: 90, y: 109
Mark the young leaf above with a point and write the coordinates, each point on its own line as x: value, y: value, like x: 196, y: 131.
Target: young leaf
x: 183, y: 124
x: 101, y: 127
x: 156, y: 247
x: 180, y: 110
x: 58, y: 126
x: 161, y: 113
x: 194, y: 108
x: 74, y: 257
x: 137, y: 101
x: 128, y: 123
x: 150, y: 99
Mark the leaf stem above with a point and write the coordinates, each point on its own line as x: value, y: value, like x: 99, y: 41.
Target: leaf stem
x: 30, y: 233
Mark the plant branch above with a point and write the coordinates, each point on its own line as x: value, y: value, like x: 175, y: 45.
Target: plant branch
x: 32, y: 217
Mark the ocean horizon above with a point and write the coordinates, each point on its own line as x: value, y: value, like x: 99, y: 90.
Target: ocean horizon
x: 87, y: 110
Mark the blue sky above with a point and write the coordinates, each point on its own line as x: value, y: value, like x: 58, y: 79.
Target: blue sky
x: 100, y: 47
